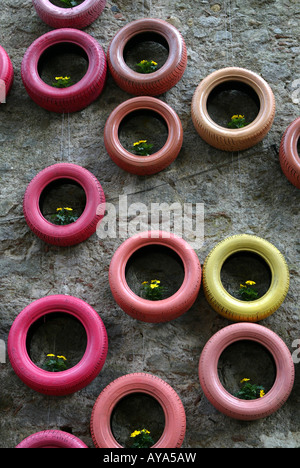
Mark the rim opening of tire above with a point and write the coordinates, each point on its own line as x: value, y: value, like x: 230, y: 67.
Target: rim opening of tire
x: 232, y: 98
x: 63, y: 59
x: 155, y: 262
x: 298, y: 147
x: 137, y: 411
x: 143, y: 124
x: 60, y: 4
x: 244, y: 266
x: 146, y: 46
x: 246, y: 359
x: 59, y: 334
x: 62, y: 193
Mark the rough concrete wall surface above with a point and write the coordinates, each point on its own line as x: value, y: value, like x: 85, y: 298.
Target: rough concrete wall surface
x: 241, y: 192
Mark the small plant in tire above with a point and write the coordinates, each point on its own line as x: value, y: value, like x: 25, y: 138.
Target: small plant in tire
x: 64, y: 216
x: 69, y: 3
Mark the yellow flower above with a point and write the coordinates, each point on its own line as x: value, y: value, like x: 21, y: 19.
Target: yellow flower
x: 59, y: 78
x: 235, y: 117
x: 261, y: 393
x: 155, y: 281
x: 143, y: 61
x: 62, y: 357
x: 145, y: 282
x: 145, y: 431
x: 242, y: 286
x: 68, y: 209
x: 139, y: 142
x: 154, y: 63
x: 241, y: 116
x: 153, y: 285
x: 58, y: 209
x: 135, y: 433
x: 250, y: 282
x: 244, y: 380
x: 50, y: 355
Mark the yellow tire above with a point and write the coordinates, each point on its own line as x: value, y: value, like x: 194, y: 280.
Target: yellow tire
x: 235, y: 309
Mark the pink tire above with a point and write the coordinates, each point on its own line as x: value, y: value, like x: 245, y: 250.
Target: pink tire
x: 151, y: 84
x: 288, y: 153
x: 6, y: 74
x: 166, y: 309
x: 70, y: 380
x: 143, y: 165
x: 77, y: 17
x: 230, y: 405
x: 175, y: 420
x: 85, y: 225
x: 51, y: 439
x: 77, y: 96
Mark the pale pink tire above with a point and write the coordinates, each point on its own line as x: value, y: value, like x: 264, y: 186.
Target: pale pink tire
x: 77, y: 17
x: 166, y: 309
x: 70, y: 380
x: 230, y: 405
x: 6, y: 74
x: 175, y: 419
x: 149, y: 84
x: 73, y: 98
x: 86, y: 224
x: 143, y: 165
x: 52, y: 439
x: 288, y: 153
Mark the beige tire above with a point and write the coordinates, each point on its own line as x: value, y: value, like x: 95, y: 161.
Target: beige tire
x: 233, y: 139
x: 235, y: 309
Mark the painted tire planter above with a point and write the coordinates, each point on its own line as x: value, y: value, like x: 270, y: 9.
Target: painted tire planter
x: 143, y: 165
x: 85, y: 225
x: 6, y: 74
x: 223, y: 400
x: 70, y: 380
x: 77, y: 17
x: 288, y: 153
x: 175, y: 420
x: 235, y: 309
x: 162, y: 310
x: 77, y: 96
x: 51, y: 439
x: 163, y: 79
x: 228, y: 139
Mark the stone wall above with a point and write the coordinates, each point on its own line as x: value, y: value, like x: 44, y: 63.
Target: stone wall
x: 242, y: 192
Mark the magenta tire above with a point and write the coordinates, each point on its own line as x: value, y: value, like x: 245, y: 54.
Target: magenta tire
x: 51, y: 439
x: 230, y: 405
x: 175, y: 420
x: 166, y: 309
x: 85, y: 225
x: 77, y: 96
x: 70, y: 380
x: 288, y: 153
x: 77, y: 17
x: 163, y: 79
x: 143, y: 165
x: 6, y: 74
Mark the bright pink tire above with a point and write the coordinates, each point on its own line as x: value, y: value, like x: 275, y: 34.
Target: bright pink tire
x: 70, y: 380
x: 77, y: 17
x: 288, y: 153
x: 6, y: 73
x: 223, y: 400
x: 143, y: 165
x: 77, y: 96
x: 85, y: 225
x: 51, y: 439
x: 165, y: 309
x: 175, y: 420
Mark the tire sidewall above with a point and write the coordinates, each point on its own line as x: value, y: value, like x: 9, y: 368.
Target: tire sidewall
x: 288, y: 153
x: 233, y: 139
x: 75, y: 378
x: 175, y: 420
x: 51, y: 439
x: 166, y: 309
x: 72, y: 233
x: 223, y: 400
x: 143, y: 165
x: 231, y: 307
x: 6, y: 70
